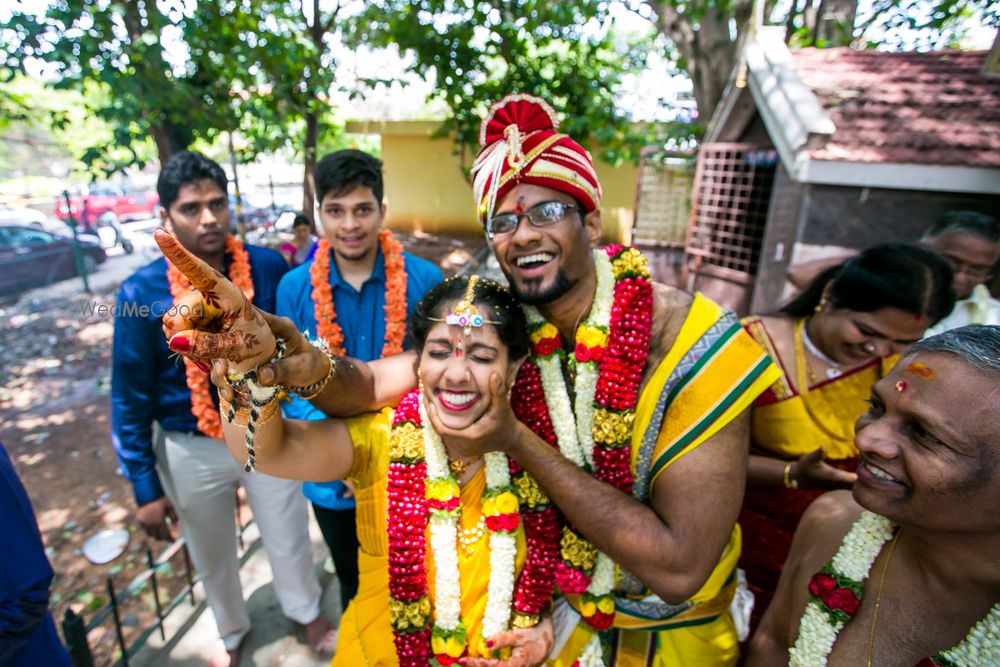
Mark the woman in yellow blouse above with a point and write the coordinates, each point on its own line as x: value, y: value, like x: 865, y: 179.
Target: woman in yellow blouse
x: 442, y: 543
x: 832, y: 343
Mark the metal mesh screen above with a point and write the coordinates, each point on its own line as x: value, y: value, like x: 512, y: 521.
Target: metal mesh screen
x: 663, y: 198
x: 732, y: 190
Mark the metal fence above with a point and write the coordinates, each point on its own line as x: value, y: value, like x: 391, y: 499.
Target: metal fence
x: 76, y: 631
x: 663, y: 198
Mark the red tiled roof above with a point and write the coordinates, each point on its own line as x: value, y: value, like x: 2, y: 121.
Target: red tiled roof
x: 920, y: 108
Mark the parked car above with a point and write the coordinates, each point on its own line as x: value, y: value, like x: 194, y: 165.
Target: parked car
x: 32, y: 217
x: 30, y: 256
x: 98, y: 200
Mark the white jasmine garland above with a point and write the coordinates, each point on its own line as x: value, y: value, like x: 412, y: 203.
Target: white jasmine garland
x: 603, y: 579
x: 574, y: 429
x: 448, y: 588
x: 557, y: 398
x: 982, y: 645
x: 497, y: 470
x: 444, y: 533
x: 435, y: 455
x: 503, y: 554
x: 862, y: 545
x: 587, y: 372
x: 592, y: 656
x: 816, y: 637
x: 444, y: 537
x: 853, y: 560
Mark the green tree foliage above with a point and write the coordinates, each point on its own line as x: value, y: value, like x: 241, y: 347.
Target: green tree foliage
x: 172, y: 73
x: 114, y: 53
x: 478, y: 51
x: 276, y: 59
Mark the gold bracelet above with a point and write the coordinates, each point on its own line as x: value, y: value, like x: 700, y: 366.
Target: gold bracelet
x: 312, y: 391
x: 786, y: 478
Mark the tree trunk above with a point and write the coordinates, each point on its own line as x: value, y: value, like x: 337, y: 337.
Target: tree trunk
x: 708, y: 47
x: 835, y: 22
x: 309, y: 160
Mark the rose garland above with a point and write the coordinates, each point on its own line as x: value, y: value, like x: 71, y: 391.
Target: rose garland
x: 610, y: 352
x: 423, y: 491
x: 202, y: 407
x: 395, y: 296
x: 835, y: 594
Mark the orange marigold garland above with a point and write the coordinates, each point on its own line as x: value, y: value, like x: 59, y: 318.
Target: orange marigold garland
x: 395, y: 297
x: 209, y: 421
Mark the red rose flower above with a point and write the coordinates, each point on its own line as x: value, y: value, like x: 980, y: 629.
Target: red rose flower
x: 582, y: 352
x: 505, y: 522
x: 843, y: 599
x: 547, y: 346
x: 445, y: 659
x: 600, y: 620
x: 821, y: 584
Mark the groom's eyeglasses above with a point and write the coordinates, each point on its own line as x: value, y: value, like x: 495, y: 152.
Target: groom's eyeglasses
x: 542, y: 215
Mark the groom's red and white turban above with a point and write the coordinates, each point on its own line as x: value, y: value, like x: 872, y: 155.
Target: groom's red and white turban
x: 518, y: 143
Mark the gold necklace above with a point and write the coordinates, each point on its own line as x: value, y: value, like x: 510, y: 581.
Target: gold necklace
x: 459, y: 466
x: 878, y: 595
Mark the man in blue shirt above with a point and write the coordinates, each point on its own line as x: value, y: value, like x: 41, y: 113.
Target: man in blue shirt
x: 27, y: 634
x: 165, y: 422
x: 351, y: 212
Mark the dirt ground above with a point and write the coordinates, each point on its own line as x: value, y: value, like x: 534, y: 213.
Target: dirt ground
x: 55, y: 366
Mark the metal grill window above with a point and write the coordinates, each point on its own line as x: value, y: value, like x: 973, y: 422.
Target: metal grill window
x: 662, y: 198
x: 731, y: 194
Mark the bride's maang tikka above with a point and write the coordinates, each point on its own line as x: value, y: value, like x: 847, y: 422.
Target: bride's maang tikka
x: 465, y: 314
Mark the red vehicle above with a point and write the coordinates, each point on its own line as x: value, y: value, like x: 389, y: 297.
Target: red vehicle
x: 103, y: 199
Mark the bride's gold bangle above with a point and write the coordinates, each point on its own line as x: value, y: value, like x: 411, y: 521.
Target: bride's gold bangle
x: 787, y: 479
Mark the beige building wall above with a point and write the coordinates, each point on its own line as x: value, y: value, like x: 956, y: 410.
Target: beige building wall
x: 425, y: 187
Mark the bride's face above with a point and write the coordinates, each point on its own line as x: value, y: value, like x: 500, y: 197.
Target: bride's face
x: 456, y: 371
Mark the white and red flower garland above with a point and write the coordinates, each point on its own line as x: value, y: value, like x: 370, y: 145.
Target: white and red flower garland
x: 422, y: 491
x: 609, y: 355
x: 835, y: 594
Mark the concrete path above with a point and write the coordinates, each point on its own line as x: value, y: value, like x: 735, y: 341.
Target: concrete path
x: 192, y: 637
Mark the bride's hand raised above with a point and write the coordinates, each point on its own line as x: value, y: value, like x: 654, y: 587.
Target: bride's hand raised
x: 215, y: 321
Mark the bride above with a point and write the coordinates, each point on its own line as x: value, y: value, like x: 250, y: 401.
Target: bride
x: 457, y: 546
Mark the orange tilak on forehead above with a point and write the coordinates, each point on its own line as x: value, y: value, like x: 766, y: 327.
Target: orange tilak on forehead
x: 920, y: 370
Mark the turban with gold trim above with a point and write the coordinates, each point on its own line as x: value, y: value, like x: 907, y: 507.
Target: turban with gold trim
x: 518, y: 143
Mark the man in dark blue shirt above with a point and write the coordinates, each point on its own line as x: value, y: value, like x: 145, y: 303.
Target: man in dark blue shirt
x: 351, y: 212
x: 27, y: 634
x: 165, y: 424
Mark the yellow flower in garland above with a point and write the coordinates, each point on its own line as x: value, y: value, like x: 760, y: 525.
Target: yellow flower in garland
x: 630, y: 262
x: 612, y: 428
x: 592, y: 336
x: 406, y: 443
x: 577, y: 552
x: 449, y: 643
x: 409, y: 615
x: 547, y: 330
x: 529, y: 492
x: 443, y: 489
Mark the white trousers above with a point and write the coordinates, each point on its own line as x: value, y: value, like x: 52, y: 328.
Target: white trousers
x: 200, y: 478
